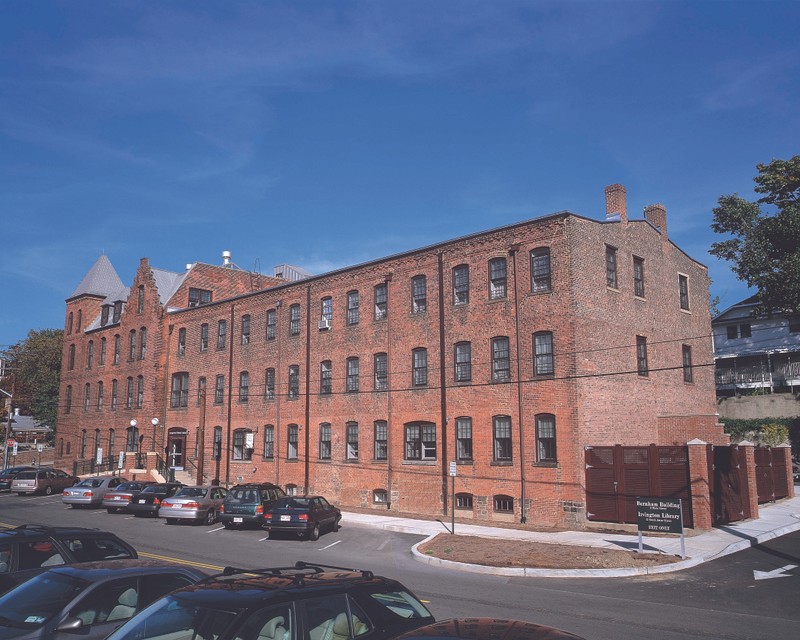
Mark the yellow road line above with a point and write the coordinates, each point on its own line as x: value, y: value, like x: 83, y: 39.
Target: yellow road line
x: 200, y: 565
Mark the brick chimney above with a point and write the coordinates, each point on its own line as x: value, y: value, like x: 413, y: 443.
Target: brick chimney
x: 656, y: 214
x: 616, y: 203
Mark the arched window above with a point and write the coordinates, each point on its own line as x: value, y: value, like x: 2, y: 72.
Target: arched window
x: 132, y: 439
x: 244, y: 386
x: 142, y: 343
x: 139, y: 392
x: 68, y: 404
x: 497, y: 278
x: 546, y: 438
x: 83, y: 444
x: 269, y: 441
x: 132, y: 345
x: 69, y: 328
x: 90, y: 354
x: 87, y: 396
x: 111, y: 438
x: 503, y: 504
x: 325, y: 441
x: 71, y: 358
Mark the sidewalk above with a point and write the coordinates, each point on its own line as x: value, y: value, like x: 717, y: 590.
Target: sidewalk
x: 775, y: 520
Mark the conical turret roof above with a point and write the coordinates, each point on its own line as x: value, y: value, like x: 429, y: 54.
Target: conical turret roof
x: 101, y: 280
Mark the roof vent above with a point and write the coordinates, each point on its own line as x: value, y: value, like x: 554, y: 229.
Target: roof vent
x: 226, y: 258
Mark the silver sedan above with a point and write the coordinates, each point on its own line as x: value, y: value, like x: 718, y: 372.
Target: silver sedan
x: 90, y: 491
x: 198, y: 504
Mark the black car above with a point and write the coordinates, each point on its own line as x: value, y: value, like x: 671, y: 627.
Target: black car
x: 246, y: 504
x: 303, y: 602
x: 7, y: 475
x: 487, y: 629
x: 120, y: 497
x: 31, y: 549
x: 148, y: 502
x: 305, y: 516
x: 87, y: 600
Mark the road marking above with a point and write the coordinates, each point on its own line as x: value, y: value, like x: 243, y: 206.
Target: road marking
x: 214, y: 530
x: 262, y: 539
x: 384, y: 543
x: 775, y: 573
x: 332, y: 544
x: 181, y: 561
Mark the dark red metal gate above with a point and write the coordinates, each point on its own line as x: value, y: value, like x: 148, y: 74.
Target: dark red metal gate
x: 616, y: 476
x: 771, y: 474
x: 728, y: 483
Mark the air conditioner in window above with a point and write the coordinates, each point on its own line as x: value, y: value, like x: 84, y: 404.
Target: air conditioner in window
x: 325, y: 323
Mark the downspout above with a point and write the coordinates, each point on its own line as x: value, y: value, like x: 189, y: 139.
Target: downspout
x: 442, y: 383
x: 230, y: 402
x: 276, y: 390
x: 513, y: 252
x: 388, y: 399
x: 166, y: 396
x: 308, y: 382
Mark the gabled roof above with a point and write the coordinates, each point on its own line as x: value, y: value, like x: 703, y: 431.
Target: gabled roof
x: 739, y: 310
x: 101, y: 280
x: 167, y: 283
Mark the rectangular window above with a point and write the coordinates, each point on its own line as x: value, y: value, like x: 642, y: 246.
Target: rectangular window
x: 244, y: 386
x: 90, y: 354
x: 325, y: 377
x: 272, y: 322
x: 687, y: 362
x: 502, y: 438
x: 794, y: 325
x: 463, y: 362
x: 291, y: 440
x: 464, y: 438
x: 541, y: 276
x: 219, y: 389
x: 325, y: 441
x: 638, y: 277
x: 104, y: 315
x: 294, y: 320
x: 683, y: 290
x: 117, y: 348
x: 294, y: 382
x: 102, y: 351
x: 326, y: 309
x: 546, y: 438
x: 269, y: 384
x: 140, y: 301
x: 419, y: 294
x: 204, y: 337
x: 381, y: 372
x: 497, y: 278
x: 242, y: 441
x: 142, y: 343
x: 641, y: 356
x: 419, y: 365
x: 501, y: 361
x: 269, y: 441
x: 129, y: 394
x: 181, y: 342
x: 114, y: 394
x: 352, y: 441
x: 117, y: 311
x: 222, y: 330
x: 611, y: 267
x: 381, y: 436
x: 246, y: 329
x: 139, y: 392
x: 68, y: 404
x: 461, y: 284
x: 100, y: 393
x: 352, y: 307
x: 352, y: 375
x: 732, y: 331
x: 544, y: 364
x: 463, y: 501
x: 132, y: 346
x: 198, y: 297
x: 421, y: 441
x: 180, y: 390
x: 381, y: 301
x: 745, y: 331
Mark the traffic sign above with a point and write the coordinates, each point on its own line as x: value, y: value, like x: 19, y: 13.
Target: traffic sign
x: 10, y: 442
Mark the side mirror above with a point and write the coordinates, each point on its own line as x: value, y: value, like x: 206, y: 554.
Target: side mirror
x: 70, y: 624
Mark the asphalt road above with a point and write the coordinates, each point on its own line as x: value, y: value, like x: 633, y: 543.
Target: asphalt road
x: 720, y: 599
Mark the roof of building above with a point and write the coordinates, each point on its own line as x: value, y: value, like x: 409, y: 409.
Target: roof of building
x: 737, y: 310
x: 167, y: 283
x: 27, y: 423
x: 101, y: 280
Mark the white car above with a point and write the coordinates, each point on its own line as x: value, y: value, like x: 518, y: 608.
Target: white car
x: 90, y: 491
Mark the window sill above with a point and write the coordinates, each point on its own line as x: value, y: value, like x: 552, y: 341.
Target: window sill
x: 501, y: 463
x: 688, y: 312
x: 465, y: 463
x: 546, y: 465
x: 292, y: 460
x: 640, y: 298
x: 613, y: 289
x: 379, y: 461
x: 420, y: 463
x: 324, y: 461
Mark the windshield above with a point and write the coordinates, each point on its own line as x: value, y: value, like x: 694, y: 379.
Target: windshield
x: 243, y: 495
x: 191, y: 492
x: 402, y: 603
x: 171, y: 618
x: 291, y: 503
x: 36, y: 601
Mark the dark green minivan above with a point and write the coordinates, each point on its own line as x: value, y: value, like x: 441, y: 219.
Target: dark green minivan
x: 246, y: 504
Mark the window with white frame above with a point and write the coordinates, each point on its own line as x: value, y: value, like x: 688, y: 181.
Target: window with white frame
x: 381, y: 301
x: 545, y: 437
x: 541, y: 272
x: 498, y: 279
x: 419, y: 294
x: 461, y: 284
x: 352, y: 375
x: 244, y: 386
x: 292, y: 436
x: 269, y: 384
x: 686, y: 353
x: 463, y: 501
x: 503, y: 504
x: 325, y: 441
x: 381, y: 429
x: 326, y: 309
x: 219, y: 389
x: 683, y: 290
x: 381, y: 372
x: 420, y: 440
x: 501, y: 360
x: 352, y: 441
x: 294, y: 382
x: 464, y: 438
x: 543, y: 358
x: 181, y: 341
x: 502, y: 438
x: 419, y: 367
x: 380, y: 496
x: 245, y: 329
x: 463, y: 362
x: 222, y: 330
x: 353, y: 302
x: 204, y: 337
x: 638, y: 277
x: 272, y: 323
x: 269, y: 441
x: 294, y: 320
x: 242, y: 444
x: 325, y: 377
x: 611, y: 267
x: 180, y: 390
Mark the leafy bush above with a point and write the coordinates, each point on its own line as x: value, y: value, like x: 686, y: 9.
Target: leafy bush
x: 765, y: 432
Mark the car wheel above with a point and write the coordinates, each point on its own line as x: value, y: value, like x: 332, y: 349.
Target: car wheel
x: 172, y: 521
x: 111, y: 510
x: 314, y: 533
x: 20, y: 493
x: 228, y: 525
x: 211, y: 517
x: 48, y: 490
x: 336, y: 525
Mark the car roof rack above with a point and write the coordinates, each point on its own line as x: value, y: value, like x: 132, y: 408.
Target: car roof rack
x: 298, y: 572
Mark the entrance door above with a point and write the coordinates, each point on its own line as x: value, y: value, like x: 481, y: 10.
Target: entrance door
x: 176, y: 445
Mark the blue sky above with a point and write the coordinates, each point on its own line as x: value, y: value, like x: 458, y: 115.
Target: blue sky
x: 324, y: 134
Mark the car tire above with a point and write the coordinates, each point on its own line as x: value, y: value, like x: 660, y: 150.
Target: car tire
x: 314, y: 533
x: 228, y: 525
x: 172, y: 521
x: 48, y: 491
x: 336, y: 525
x: 111, y: 509
x: 211, y: 517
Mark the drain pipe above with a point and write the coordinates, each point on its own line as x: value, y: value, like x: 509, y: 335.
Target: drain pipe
x: 513, y: 253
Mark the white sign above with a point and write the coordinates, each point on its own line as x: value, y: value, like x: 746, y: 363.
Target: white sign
x: 249, y: 440
x: 453, y: 469
x: 14, y: 449
x: 121, y: 462
x: 40, y: 447
x: 99, y: 458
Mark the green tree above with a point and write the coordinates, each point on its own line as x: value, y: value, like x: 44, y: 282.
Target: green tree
x: 35, y: 363
x: 765, y: 247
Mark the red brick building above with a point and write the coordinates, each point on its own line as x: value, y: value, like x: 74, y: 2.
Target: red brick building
x: 506, y: 352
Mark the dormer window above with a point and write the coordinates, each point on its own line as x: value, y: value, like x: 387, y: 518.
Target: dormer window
x: 104, y: 315
x: 199, y: 297
x: 117, y: 311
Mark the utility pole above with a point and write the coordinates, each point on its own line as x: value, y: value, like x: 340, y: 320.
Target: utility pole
x: 201, y: 438
x: 10, y: 417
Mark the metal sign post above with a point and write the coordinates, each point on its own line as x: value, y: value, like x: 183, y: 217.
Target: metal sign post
x: 453, y: 497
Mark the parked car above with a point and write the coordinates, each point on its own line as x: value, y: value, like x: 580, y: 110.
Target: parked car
x: 487, y: 629
x: 282, y: 603
x: 87, y: 600
x: 196, y: 504
x: 302, y: 515
x: 30, y: 549
x: 120, y: 497
x: 7, y: 475
x: 149, y: 499
x: 246, y: 504
x: 44, y: 480
x: 90, y: 491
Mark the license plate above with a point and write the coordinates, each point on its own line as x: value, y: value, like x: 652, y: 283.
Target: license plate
x: 237, y: 520
x: 142, y: 501
x: 176, y: 506
x: 117, y: 497
x: 286, y: 518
